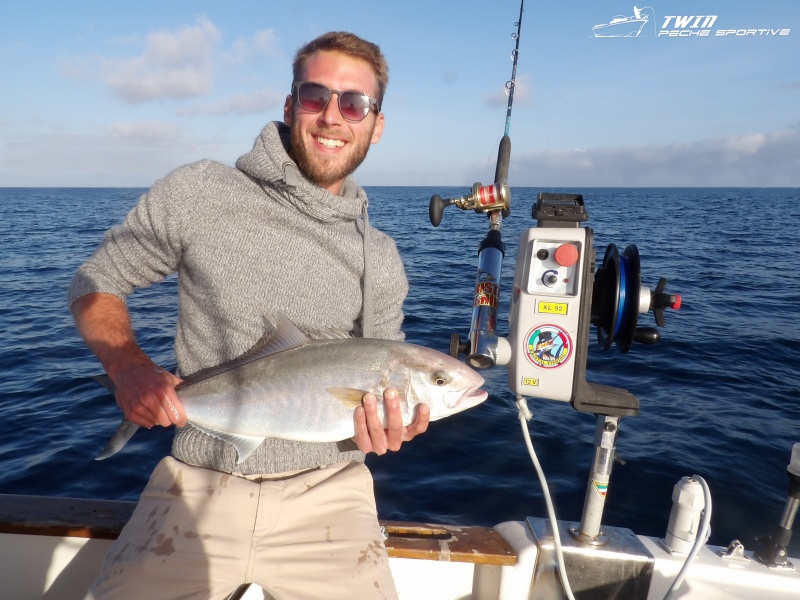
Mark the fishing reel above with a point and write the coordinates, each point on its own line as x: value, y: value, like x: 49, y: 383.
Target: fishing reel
x: 483, y: 199
x: 493, y: 200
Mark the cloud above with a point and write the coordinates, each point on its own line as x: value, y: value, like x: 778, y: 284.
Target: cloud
x: 523, y: 93
x: 754, y: 160
x: 145, y: 131
x: 181, y: 64
x: 174, y: 64
x: 117, y: 157
x: 240, y: 104
x: 262, y: 44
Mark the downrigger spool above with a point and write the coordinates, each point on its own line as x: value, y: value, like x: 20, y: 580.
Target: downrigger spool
x: 618, y: 299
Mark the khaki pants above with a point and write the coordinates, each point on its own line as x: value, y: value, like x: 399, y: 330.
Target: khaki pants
x: 199, y: 533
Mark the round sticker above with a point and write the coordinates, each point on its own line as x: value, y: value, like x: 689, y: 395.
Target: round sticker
x: 548, y: 346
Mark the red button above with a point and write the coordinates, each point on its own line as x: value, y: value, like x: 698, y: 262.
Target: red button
x: 566, y: 255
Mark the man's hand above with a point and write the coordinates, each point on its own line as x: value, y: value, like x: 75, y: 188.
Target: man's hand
x: 370, y: 434
x: 146, y: 394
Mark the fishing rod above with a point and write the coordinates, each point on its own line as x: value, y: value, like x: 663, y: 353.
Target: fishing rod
x: 483, y: 347
x: 511, y: 84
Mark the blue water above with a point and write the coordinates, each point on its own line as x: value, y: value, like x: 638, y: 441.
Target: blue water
x: 719, y: 394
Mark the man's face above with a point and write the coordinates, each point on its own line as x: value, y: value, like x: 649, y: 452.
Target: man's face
x: 325, y: 145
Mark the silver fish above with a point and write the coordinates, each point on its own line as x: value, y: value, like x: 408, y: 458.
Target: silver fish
x: 304, y: 389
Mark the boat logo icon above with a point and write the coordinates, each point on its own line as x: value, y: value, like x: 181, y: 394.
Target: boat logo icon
x: 622, y: 26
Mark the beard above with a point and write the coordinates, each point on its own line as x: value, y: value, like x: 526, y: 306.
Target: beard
x: 325, y: 170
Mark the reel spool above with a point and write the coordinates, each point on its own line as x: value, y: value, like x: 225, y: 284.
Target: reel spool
x: 616, y: 300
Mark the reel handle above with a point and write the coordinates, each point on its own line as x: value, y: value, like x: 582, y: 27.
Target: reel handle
x: 457, y: 347
x: 436, y: 208
x: 661, y: 300
x: 647, y: 335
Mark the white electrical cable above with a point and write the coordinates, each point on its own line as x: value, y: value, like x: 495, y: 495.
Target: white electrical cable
x: 702, y: 536
x: 524, y: 416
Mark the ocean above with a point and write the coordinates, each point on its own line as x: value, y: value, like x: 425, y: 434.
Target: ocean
x: 719, y: 394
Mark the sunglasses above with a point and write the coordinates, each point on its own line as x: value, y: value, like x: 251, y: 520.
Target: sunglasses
x: 314, y: 97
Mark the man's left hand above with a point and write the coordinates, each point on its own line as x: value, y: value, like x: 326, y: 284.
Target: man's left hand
x: 370, y: 434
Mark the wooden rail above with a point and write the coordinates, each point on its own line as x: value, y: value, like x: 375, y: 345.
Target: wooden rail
x: 103, y: 519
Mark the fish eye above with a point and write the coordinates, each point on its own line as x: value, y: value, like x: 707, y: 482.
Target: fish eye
x: 439, y: 378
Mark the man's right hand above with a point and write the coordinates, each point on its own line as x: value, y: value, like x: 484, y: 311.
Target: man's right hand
x: 145, y: 392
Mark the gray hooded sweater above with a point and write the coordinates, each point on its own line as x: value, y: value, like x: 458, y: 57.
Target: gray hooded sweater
x: 248, y: 243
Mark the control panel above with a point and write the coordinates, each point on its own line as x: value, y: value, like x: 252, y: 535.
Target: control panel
x: 545, y: 312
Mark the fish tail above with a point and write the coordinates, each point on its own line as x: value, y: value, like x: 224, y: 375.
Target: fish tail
x: 124, y: 432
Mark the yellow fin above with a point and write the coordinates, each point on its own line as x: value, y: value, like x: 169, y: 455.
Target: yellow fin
x: 350, y: 397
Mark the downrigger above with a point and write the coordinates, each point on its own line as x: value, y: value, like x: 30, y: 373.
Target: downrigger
x: 559, y: 293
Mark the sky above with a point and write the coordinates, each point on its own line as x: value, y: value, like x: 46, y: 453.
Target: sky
x: 117, y: 94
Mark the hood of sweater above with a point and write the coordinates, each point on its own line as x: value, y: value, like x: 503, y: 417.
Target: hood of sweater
x: 269, y: 162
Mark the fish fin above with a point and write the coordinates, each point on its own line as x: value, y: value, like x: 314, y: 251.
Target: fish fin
x: 285, y: 337
x: 124, y: 433
x: 106, y: 382
x: 331, y: 333
x: 350, y: 397
x: 245, y: 444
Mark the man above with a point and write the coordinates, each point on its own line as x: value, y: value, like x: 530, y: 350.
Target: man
x: 287, y: 232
